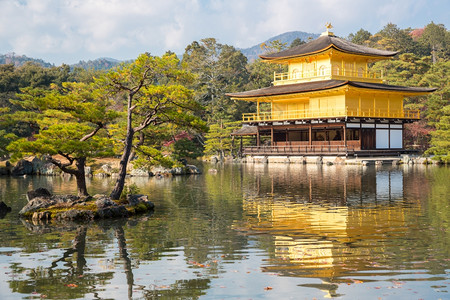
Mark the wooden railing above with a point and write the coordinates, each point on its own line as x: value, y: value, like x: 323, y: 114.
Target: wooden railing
x: 319, y: 73
x: 330, y: 113
x: 301, y: 149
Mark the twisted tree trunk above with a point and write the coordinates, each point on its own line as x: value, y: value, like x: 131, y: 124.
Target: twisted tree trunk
x: 120, y: 183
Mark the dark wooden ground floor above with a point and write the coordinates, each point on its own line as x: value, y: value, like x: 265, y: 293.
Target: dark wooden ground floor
x: 356, y: 137
x: 321, y: 151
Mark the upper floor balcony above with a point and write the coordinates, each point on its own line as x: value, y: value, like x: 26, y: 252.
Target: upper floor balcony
x: 280, y: 116
x: 327, y: 73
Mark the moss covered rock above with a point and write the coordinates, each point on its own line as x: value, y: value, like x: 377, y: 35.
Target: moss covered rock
x: 70, y: 207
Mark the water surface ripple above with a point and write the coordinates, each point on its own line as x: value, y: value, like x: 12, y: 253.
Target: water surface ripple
x: 242, y: 232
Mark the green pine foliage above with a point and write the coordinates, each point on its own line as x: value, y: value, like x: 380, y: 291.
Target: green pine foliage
x: 71, y: 121
x: 422, y: 61
x: 440, y: 139
x: 152, y: 93
x: 170, y: 97
x: 220, y: 142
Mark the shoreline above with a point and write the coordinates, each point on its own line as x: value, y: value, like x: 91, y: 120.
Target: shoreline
x: 332, y: 160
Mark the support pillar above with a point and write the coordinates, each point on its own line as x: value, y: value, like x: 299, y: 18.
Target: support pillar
x: 257, y: 111
x: 345, y: 134
x: 310, y: 134
x: 241, y: 148
x: 257, y: 137
x: 272, y: 143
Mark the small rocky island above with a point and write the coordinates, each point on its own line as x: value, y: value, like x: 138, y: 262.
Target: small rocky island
x: 43, y: 206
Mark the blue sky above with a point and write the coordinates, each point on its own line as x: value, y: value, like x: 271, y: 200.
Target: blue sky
x: 67, y: 31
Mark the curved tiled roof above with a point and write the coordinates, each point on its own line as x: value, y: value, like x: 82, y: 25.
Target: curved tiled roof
x: 290, y: 89
x: 246, y: 130
x: 324, y: 43
x: 324, y: 85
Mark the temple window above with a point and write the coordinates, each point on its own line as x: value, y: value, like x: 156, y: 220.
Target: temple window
x: 322, y: 70
x: 336, y: 70
x: 352, y: 134
x: 298, y: 135
x: 360, y: 72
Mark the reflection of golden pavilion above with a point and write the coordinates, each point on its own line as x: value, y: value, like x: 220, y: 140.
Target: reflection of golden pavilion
x: 326, y: 239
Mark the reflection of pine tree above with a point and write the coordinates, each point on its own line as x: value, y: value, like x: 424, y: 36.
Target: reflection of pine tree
x: 123, y: 254
x: 79, y: 246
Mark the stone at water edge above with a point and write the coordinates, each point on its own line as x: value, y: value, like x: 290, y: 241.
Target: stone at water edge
x: 35, y: 204
x: 4, y: 209
x: 178, y: 171
x: 23, y: 167
x: 71, y: 207
x: 39, y: 192
x: 134, y: 200
x: 117, y: 211
x: 42, y: 198
x: 191, y: 169
x: 75, y: 214
x: 140, y: 172
x: 104, y: 201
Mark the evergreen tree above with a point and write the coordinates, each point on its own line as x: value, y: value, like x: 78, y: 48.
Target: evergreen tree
x: 296, y: 42
x: 72, y: 120
x: 440, y: 140
x: 153, y: 94
x: 437, y: 39
x: 361, y: 37
x: 218, y: 69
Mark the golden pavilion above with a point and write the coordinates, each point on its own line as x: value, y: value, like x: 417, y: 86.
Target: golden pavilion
x: 328, y: 103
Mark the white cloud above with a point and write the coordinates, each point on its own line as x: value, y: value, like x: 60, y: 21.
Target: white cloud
x: 71, y: 30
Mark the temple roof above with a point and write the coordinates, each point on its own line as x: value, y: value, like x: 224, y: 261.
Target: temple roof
x: 245, y: 130
x: 325, y: 85
x: 326, y: 42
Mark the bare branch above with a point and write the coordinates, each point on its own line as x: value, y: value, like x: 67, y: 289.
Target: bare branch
x: 88, y: 136
x: 63, y: 167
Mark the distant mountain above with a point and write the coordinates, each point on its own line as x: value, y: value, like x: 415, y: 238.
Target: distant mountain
x: 19, y: 60
x: 287, y: 37
x: 104, y: 63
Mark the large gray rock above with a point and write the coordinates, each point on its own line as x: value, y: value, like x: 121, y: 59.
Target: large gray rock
x: 39, y: 192
x: 37, y: 203
x: 81, y: 208
x: 37, y: 165
x: 104, y: 202
x: 49, y: 169
x: 158, y: 170
x: 4, y: 171
x: 178, y: 171
x: 41, y: 216
x: 107, y: 169
x: 87, y: 171
x: 23, y: 167
x: 75, y: 215
x: 4, y: 209
x: 118, y: 211
x: 134, y: 200
x: 140, y: 172
x: 191, y: 169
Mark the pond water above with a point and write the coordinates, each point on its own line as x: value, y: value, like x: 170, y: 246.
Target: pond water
x: 242, y: 232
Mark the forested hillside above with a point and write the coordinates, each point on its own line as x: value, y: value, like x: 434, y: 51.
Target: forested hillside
x: 253, y: 52
x: 211, y: 70
x: 20, y: 60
